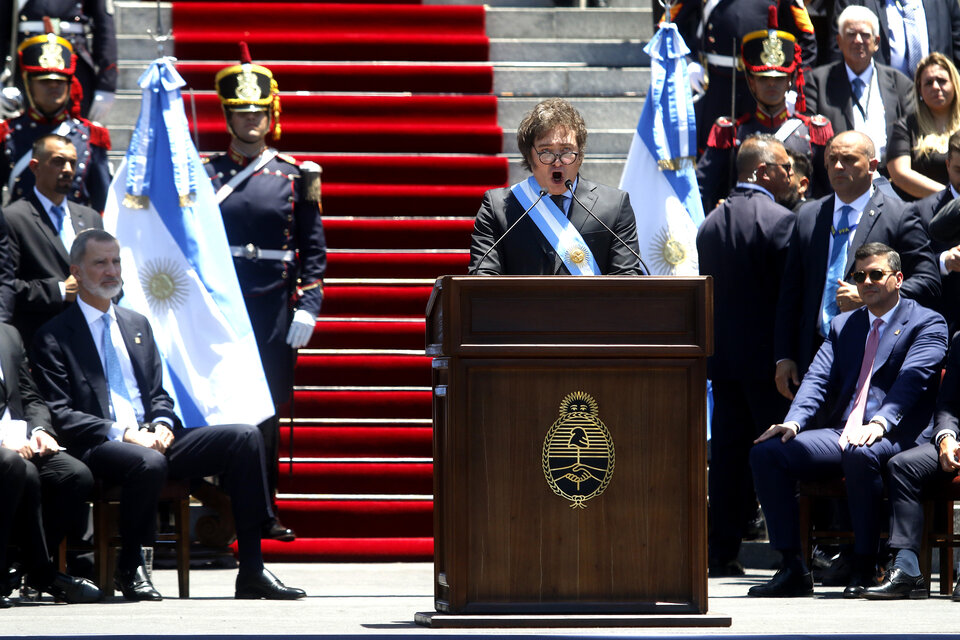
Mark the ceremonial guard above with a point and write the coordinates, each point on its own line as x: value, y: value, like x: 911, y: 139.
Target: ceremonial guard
x: 88, y: 26
x: 47, y: 63
x: 271, y: 212
x: 772, y: 61
x: 714, y: 30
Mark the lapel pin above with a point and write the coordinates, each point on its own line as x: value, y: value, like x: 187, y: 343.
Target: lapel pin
x: 136, y: 338
x: 897, y: 332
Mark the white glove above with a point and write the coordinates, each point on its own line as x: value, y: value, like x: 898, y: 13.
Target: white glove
x: 301, y: 328
x: 696, y: 76
x: 100, y: 108
x: 791, y: 99
x: 11, y: 102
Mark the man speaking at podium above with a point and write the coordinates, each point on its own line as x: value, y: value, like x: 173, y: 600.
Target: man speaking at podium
x: 555, y: 222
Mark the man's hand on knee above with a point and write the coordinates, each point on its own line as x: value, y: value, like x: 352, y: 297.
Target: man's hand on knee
x: 949, y: 454
x: 786, y: 432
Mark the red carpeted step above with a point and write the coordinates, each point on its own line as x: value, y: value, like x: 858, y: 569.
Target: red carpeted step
x: 349, y: 518
x: 359, y: 441
x: 361, y: 264
x: 374, y: 301
x: 363, y: 404
x: 349, y: 550
x: 425, y: 170
x: 363, y: 369
x: 360, y: 334
x: 398, y: 234
x: 307, y: 31
x: 393, y: 123
x: 413, y: 78
x: 404, y: 478
x: 340, y: 199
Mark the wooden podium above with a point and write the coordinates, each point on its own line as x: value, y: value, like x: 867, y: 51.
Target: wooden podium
x: 544, y: 387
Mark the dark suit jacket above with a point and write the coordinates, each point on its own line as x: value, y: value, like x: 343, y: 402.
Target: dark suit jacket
x: 884, y: 220
x: 947, y: 415
x: 526, y: 252
x: 18, y: 391
x: 829, y: 93
x: 949, y: 302
x: 743, y: 245
x: 907, y: 369
x: 40, y: 261
x: 943, y: 27
x: 71, y: 378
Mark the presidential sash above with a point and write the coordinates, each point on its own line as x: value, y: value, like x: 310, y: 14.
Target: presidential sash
x: 557, y: 229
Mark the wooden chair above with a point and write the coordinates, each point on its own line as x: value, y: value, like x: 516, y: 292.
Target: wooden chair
x: 106, y: 500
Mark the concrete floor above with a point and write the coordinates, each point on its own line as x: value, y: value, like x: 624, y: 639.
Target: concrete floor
x: 381, y: 599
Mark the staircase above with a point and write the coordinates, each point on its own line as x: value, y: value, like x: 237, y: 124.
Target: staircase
x: 411, y: 110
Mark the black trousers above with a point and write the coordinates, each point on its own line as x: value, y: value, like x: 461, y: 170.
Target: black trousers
x: 909, y: 474
x: 742, y: 410
x: 234, y: 452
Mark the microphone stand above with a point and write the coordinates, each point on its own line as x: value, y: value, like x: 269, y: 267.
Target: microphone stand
x: 569, y: 185
x: 523, y: 215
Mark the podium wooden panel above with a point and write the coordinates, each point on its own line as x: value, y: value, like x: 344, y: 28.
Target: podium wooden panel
x: 506, y: 351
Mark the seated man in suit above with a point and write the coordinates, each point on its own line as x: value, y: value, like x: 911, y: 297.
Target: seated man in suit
x: 827, y: 233
x: 99, y: 369
x: 33, y: 470
x: 40, y: 228
x: 856, y: 92
x: 910, y: 474
x: 868, y: 395
x: 559, y: 236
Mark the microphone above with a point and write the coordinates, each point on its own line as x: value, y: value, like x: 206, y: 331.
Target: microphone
x: 569, y: 185
x: 473, y: 271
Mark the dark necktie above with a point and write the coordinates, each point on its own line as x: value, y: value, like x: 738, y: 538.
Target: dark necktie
x: 558, y: 200
x: 858, y: 87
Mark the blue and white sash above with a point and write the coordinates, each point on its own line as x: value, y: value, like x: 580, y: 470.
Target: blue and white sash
x: 556, y: 228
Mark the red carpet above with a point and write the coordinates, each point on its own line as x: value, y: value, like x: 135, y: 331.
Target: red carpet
x: 393, y: 100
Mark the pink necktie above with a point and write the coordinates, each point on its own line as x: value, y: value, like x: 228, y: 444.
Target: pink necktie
x: 863, y: 382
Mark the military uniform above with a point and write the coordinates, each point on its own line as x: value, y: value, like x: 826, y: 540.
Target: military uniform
x: 52, y: 57
x: 272, y: 221
x: 92, y: 179
x: 89, y: 27
x: 715, y: 40
x: 765, y: 53
x: 716, y: 170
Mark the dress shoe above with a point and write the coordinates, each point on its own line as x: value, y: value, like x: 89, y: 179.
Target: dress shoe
x: 897, y: 585
x: 786, y: 583
x: 66, y: 588
x: 861, y: 580
x: 135, y: 585
x: 5, y: 602
x: 276, y: 531
x: 265, y: 585
x: 728, y: 569
x: 839, y: 572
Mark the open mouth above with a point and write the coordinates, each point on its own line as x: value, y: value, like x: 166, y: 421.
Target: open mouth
x: 557, y: 177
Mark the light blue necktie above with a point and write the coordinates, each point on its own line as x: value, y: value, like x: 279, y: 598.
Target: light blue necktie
x: 914, y: 52
x: 838, y: 260
x: 58, y: 214
x: 858, y: 87
x: 114, y: 373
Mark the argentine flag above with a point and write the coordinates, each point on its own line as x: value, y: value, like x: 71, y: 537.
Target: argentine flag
x: 659, y: 174
x: 177, y: 268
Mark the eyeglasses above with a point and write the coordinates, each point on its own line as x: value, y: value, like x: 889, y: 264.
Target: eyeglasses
x: 788, y: 167
x: 566, y: 157
x: 876, y: 275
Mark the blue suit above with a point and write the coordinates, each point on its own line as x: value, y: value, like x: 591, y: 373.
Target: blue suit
x: 907, y: 368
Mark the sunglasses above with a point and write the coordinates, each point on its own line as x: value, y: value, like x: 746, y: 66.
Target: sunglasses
x: 875, y: 275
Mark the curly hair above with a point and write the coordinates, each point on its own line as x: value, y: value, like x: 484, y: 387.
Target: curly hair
x: 552, y: 113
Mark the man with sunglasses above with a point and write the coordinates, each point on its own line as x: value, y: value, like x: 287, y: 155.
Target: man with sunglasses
x: 868, y: 395
x: 828, y: 232
x: 555, y: 234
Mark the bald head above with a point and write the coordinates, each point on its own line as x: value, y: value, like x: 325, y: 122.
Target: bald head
x: 854, y: 139
x: 758, y: 149
x: 850, y: 164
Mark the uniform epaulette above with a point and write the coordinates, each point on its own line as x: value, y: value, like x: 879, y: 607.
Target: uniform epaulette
x: 4, y: 129
x: 820, y: 129
x: 99, y: 136
x: 288, y: 158
x: 723, y: 134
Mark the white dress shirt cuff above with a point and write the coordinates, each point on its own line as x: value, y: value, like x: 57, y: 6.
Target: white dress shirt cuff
x: 164, y: 420
x: 63, y: 290
x: 943, y: 433
x: 117, y: 430
x: 882, y: 422
x: 794, y: 424
x: 943, y: 264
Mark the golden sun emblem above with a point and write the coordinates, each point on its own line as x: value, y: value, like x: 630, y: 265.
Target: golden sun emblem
x: 247, y: 86
x: 51, y: 56
x: 578, y: 254
x: 164, y: 285
x: 669, y: 253
x: 772, y: 55
x: 578, y: 454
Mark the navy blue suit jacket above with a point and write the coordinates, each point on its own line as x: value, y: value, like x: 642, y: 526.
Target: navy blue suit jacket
x: 743, y: 245
x: 68, y: 372
x: 906, y: 368
x: 884, y: 220
x: 949, y: 302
